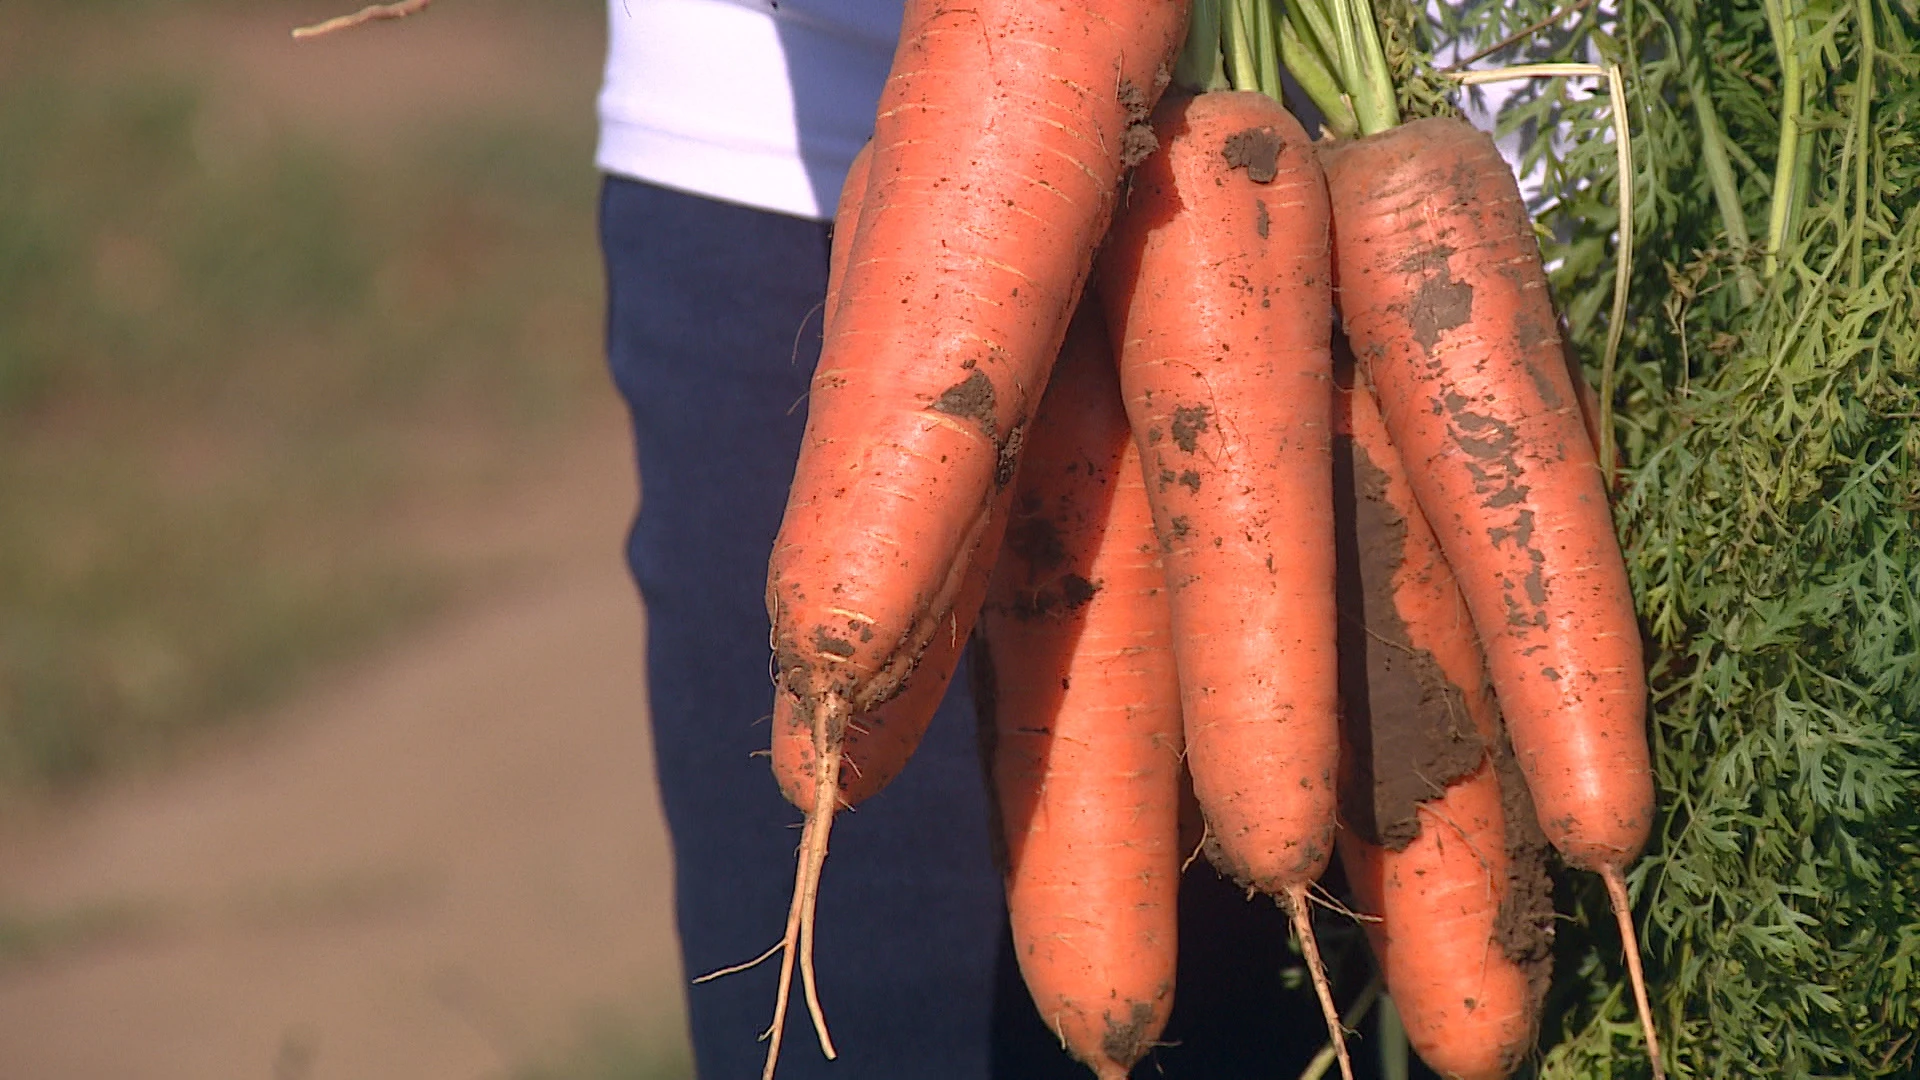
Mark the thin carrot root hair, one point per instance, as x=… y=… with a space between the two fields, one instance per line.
x=1356 y=1012
x=796 y=944
x=1623 y=914
x=400 y=9
x=1297 y=910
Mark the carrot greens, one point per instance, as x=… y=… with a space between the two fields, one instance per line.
x=1769 y=418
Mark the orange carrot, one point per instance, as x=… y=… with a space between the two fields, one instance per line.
x=1216 y=285
x=879 y=741
x=1457 y=891
x=1001 y=135
x=1081 y=708
x=1442 y=294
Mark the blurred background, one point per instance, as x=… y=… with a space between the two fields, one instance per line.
x=322 y=738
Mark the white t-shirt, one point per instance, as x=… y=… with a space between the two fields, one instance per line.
x=756 y=102
x=765 y=102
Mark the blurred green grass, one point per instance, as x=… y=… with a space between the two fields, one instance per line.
x=233 y=355
x=615 y=1046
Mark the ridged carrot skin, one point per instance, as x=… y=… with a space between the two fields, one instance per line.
x=1001 y=135
x=1437 y=902
x=880 y=741
x=998 y=146
x=1080 y=705
x=846 y=222
x=1215 y=282
x=1442 y=294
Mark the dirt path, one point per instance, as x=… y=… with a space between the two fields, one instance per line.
x=434 y=867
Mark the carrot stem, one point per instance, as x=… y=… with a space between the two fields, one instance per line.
x=1199 y=68
x=1623 y=914
x=1266 y=41
x=1309 y=68
x=1345 y=34
x=1379 y=109
x=1311 y=20
x=1243 y=70
x=1863 y=110
x=1393 y=1041
x=1726 y=186
x=1785 y=27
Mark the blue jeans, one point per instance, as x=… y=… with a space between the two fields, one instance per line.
x=713 y=331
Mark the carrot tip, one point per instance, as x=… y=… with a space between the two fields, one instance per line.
x=1296 y=902
x=1623 y=914
x=829 y=724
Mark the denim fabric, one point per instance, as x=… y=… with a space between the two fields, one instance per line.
x=713 y=331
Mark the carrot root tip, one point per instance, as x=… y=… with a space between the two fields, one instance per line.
x=796 y=945
x=1296 y=903
x=1630 y=941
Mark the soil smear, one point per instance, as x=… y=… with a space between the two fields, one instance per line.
x=972 y=398
x=1524 y=926
x=1405 y=727
x=1033 y=545
x=1138 y=141
x=1128 y=1040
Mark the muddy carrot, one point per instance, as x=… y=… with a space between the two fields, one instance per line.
x=879 y=741
x=1216 y=285
x=1443 y=297
x=1001 y=135
x=1451 y=883
x=1081 y=708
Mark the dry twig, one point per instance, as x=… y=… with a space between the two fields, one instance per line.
x=400 y=9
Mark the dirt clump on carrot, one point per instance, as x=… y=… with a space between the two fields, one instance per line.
x=1130 y=1039
x=1256 y=150
x=1525 y=922
x=1035 y=539
x=1404 y=722
x=1139 y=142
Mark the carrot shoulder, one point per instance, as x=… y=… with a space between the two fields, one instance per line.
x=1080 y=706
x=1216 y=282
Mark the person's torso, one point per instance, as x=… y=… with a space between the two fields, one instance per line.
x=756 y=102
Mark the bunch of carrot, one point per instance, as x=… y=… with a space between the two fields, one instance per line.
x=1078 y=394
